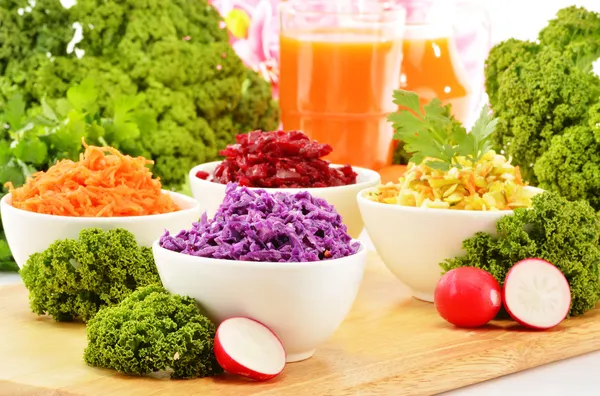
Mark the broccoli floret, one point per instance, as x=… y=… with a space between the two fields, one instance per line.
x=575 y=31
x=150 y=331
x=564 y=233
x=538 y=98
x=571 y=165
x=73 y=279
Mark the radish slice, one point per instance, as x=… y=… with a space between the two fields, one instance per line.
x=536 y=294
x=246 y=347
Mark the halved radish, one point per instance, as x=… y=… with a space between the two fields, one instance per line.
x=536 y=294
x=246 y=347
x=468 y=297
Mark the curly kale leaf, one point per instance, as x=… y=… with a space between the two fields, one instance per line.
x=575 y=31
x=52 y=80
x=73 y=279
x=150 y=331
x=255 y=111
x=539 y=90
x=564 y=233
x=503 y=56
x=571 y=165
x=127 y=29
x=194 y=83
x=538 y=98
x=43 y=28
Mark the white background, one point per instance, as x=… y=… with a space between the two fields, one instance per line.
x=575 y=377
x=523 y=19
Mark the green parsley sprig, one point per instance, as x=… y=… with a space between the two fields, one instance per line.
x=432 y=133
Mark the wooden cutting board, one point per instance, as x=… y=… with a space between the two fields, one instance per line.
x=390 y=344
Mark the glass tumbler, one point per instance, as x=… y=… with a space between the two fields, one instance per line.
x=339 y=65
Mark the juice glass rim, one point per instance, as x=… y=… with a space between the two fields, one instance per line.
x=302 y=7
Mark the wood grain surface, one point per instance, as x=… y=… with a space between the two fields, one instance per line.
x=390 y=344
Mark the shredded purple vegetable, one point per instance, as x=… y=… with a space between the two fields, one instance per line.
x=253 y=225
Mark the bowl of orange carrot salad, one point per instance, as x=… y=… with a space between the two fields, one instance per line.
x=103 y=189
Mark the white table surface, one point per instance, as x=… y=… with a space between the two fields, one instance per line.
x=574 y=377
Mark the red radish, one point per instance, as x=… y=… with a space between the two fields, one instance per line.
x=468 y=297
x=246 y=347
x=536 y=294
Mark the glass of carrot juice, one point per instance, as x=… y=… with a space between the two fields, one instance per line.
x=431 y=66
x=339 y=65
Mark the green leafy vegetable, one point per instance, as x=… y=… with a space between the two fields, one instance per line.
x=571 y=165
x=575 y=30
x=73 y=279
x=15 y=112
x=36 y=141
x=164 y=72
x=433 y=134
x=7 y=263
x=541 y=90
x=400 y=155
x=564 y=233
x=150 y=331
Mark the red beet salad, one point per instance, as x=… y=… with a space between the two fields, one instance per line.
x=278 y=160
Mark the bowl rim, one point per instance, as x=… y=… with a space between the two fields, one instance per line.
x=360 y=253
x=362 y=201
x=370 y=175
x=193 y=205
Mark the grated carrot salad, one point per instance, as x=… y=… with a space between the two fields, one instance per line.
x=103 y=183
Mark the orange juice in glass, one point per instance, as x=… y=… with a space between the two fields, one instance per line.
x=430 y=65
x=339 y=65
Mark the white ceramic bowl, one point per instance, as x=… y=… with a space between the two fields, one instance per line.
x=412 y=242
x=303 y=303
x=343 y=198
x=29 y=232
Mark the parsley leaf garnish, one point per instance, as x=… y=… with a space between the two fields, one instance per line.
x=432 y=133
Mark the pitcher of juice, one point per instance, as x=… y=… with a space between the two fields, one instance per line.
x=339 y=65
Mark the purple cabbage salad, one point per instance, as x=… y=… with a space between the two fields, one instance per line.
x=254 y=225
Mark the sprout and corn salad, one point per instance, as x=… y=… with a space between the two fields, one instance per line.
x=490 y=184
